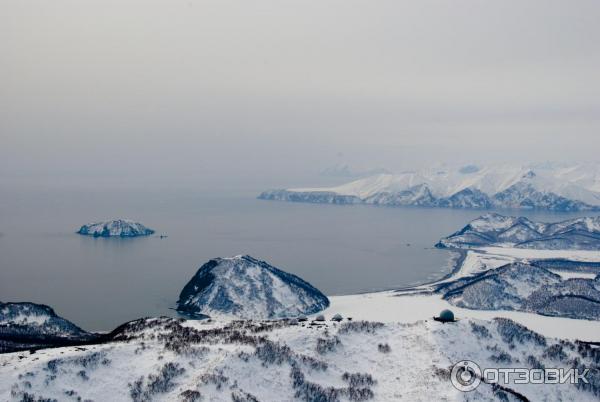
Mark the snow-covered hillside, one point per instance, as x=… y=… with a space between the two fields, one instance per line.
x=245 y=287
x=162 y=359
x=514 y=263
x=116 y=228
x=498 y=230
x=526 y=287
x=551 y=187
x=30 y=325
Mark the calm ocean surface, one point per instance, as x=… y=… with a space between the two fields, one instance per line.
x=100 y=283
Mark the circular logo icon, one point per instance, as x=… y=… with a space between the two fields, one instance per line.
x=465 y=375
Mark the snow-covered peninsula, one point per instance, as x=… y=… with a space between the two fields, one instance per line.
x=549 y=187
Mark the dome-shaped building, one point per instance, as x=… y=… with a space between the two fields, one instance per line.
x=445 y=316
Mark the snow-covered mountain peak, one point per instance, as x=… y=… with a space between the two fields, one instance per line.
x=492 y=221
x=245 y=287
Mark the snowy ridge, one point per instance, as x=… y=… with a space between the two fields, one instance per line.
x=508 y=231
x=30 y=325
x=245 y=287
x=162 y=359
x=115 y=228
x=551 y=187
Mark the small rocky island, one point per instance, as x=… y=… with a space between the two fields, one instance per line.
x=245 y=287
x=115 y=228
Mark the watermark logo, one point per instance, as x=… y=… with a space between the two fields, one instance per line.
x=467 y=375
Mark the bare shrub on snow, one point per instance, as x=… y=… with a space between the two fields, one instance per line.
x=161 y=382
x=384 y=348
x=555 y=352
x=510 y=332
x=442 y=373
x=312 y=363
x=218 y=379
x=273 y=352
x=358 y=387
x=360 y=326
x=358 y=379
x=190 y=395
x=501 y=357
x=325 y=345
x=480 y=330
x=241 y=396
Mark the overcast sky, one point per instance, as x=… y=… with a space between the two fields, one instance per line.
x=274 y=91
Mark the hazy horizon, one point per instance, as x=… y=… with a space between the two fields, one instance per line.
x=223 y=94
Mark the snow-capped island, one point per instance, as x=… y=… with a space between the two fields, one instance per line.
x=115 y=228
x=548 y=187
x=245 y=287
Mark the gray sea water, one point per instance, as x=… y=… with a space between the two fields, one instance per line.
x=100 y=283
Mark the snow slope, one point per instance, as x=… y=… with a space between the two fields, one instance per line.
x=245 y=287
x=162 y=359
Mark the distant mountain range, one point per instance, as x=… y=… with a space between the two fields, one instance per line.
x=549 y=186
x=245 y=287
x=498 y=230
